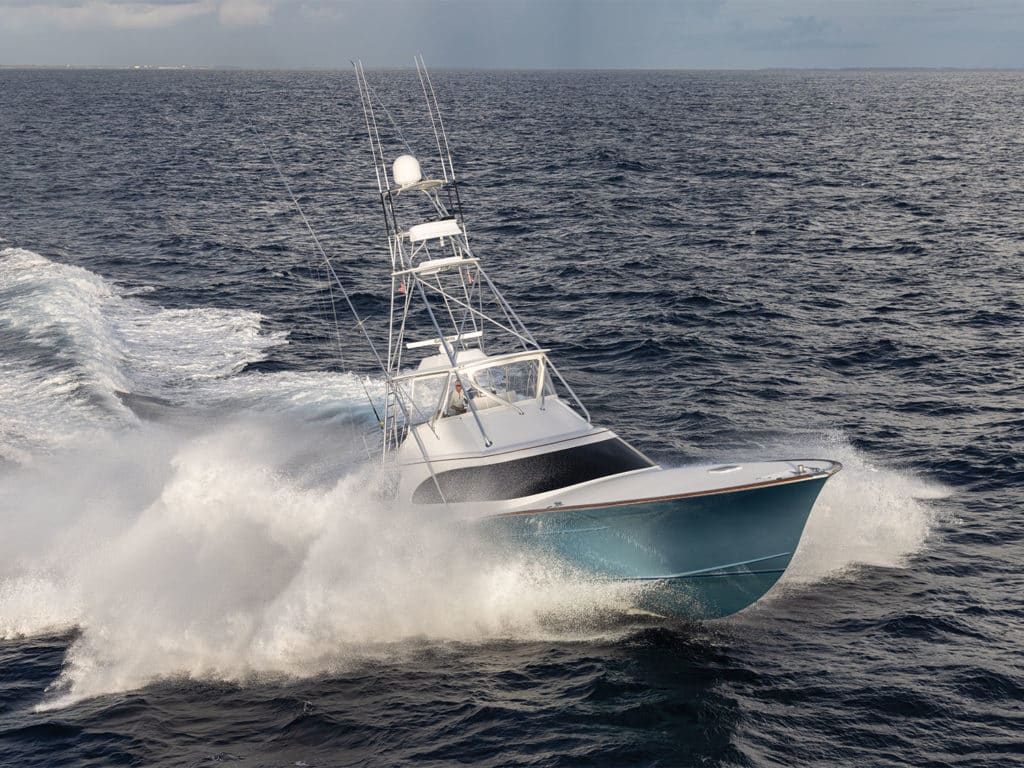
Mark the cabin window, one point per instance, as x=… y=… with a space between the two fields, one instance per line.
x=425 y=395
x=533 y=474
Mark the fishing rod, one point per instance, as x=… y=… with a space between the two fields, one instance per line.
x=329 y=266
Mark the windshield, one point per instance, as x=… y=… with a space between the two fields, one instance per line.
x=514 y=381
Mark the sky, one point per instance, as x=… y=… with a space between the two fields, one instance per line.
x=657 y=34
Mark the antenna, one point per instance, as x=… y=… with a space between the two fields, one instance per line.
x=440 y=121
x=380 y=165
x=421 y=71
x=432 y=108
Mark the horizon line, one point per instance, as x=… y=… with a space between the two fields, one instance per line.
x=466 y=68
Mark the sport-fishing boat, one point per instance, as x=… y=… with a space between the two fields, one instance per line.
x=482 y=426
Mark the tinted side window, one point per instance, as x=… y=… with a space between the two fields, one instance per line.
x=534 y=474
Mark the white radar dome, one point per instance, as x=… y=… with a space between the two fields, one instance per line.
x=406 y=170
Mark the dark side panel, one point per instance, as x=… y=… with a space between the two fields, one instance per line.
x=534 y=474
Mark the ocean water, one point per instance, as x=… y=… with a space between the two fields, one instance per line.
x=195 y=570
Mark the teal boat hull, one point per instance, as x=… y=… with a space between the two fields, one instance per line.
x=698 y=556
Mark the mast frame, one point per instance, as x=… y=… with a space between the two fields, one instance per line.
x=436 y=279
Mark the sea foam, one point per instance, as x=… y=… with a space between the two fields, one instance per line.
x=73 y=344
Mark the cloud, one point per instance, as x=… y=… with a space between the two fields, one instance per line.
x=244 y=13
x=730 y=34
x=110 y=13
x=322 y=12
x=130 y=14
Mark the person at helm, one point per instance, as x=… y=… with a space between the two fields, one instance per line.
x=457 y=403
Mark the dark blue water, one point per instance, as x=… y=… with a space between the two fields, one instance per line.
x=194 y=572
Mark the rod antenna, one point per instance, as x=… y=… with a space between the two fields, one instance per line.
x=421 y=70
x=440 y=120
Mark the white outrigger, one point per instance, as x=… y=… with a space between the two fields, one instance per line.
x=485 y=427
